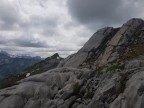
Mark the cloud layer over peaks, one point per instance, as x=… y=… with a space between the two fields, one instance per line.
x=44 y=27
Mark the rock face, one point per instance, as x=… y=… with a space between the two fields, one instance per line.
x=93 y=43
x=55 y=88
x=112 y=45
x=107 y=72
x=121 y=42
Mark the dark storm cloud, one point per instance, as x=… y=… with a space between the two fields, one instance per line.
x=103 y=12
x=29 y=43
x=23 y=41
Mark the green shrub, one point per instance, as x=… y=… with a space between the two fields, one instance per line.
x=111 y=68
x=76 y=88
x=100 y=72
x=7 y=84
x=90 y=95
x=114 y=67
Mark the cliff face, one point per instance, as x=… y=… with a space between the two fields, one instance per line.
x=107 y=72
x=93 y=43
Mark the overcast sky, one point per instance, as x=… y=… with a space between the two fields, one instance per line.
x=43 y=27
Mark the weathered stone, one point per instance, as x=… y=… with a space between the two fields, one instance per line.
x=13 y=101
x=55 y=84
x=76 y=60
x=93 y=43
x=32 y=104
x=68 y=102
x=96 y=39
x=1 y=98
x=121 y=37
x=133 y=93
x=136 y=63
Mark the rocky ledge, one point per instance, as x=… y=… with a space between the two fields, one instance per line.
x=107 y=72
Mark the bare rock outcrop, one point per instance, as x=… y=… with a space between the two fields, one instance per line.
x=93 y=43
x=55 y=88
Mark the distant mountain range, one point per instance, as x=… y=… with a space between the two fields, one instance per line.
x=37 y=68
x=11 y=65
x=44 y=65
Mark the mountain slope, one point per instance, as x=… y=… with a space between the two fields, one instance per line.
x=40 y=67
x=10 y=65
x=107 y=74
x=44 y=65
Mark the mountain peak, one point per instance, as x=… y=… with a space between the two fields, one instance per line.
x=133 y=21
x=109 y=45
x=55 y=55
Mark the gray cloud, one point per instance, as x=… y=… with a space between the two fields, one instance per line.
x=43 y=27
x=27 y=27
x=2 y=42
x=41 y=24
x=29 y=43
x=23 y=41
x=41 y=21
x=9 y=16
x=103 y=12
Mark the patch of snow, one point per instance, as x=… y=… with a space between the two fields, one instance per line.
x=28 y=74
x=58 y=57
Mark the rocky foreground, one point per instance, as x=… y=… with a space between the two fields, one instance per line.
x=107 y=72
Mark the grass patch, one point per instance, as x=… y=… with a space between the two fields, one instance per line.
x=114 y=67
x=111 y=68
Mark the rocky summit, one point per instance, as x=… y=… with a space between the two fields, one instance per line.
x=107 y=72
